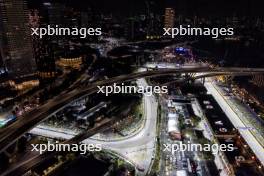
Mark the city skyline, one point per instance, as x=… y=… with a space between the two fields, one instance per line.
x=131 y=88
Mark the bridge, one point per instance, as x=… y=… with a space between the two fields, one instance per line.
x=203 y=76
x=36 y=158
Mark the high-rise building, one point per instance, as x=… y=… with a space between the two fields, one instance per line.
x=87 y=17
x=55 y=13
x=169 y=18
x=2 y=67
x=15 y=38
x=42 y=48
x=133 y=29
x=1 y=57
x=153 y=21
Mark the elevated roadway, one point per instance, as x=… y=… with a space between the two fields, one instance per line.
x=25 y=123
x=134 y=148
x=36 y=158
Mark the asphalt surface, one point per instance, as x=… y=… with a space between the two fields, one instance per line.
x=36 y=159
x=26 y=122
x=246 y=133
x=138 y=149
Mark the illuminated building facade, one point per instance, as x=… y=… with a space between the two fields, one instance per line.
x=43 y=51
x=71 y=63
x=169 y=18
x=24 y=85
x=15 y=38
x=258 y=80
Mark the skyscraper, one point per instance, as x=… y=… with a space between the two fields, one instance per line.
x=43 y=52
x=169 y=18
x=15 y=38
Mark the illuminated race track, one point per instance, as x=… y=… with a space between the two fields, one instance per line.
x=36 y=159
x=131 y=148
x=251 y=136
x=14 y=131
x=124 y=148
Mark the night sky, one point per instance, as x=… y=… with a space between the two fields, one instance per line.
x=185 y=7
x=219 y=7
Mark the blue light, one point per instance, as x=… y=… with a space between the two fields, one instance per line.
x=181 y=50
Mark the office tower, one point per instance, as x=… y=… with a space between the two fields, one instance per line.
x=15 y=38
x=3 y=70
x=153 y=21
x=1 y=57
x=87 y=18
x=45 y=58
x=43 y=51
x=169 y=17
x=55 y=12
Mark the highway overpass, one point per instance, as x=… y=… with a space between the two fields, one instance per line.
x=29 y=120
x=36 y=159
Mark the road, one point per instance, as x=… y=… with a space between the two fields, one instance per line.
x=35 y=158
x=14 y=131
x=253 y=141
x=138 y=149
